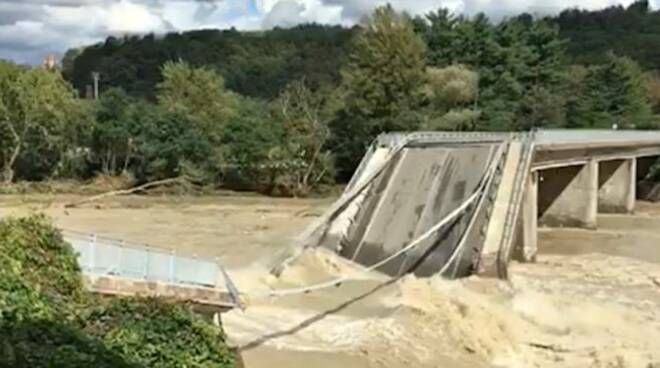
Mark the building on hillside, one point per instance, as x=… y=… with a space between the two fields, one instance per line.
x=50 y=62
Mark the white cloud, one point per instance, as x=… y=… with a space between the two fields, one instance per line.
x=291 y=12
x=31 y=28
x=130 y=17
x=184 y=15
x=498 y=9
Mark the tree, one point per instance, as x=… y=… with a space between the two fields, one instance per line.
x=170 y=144
x=452 y=92
x=248 y=142
x=114 y=132
x=385 y=71
x=304 y=116
x=440 y=34
x=652 y=86
x=382 y=82
x=519 y=63
x=36 y=105
x=541 y=107
x=541 y=54
x=199 y=92
x=613 y=94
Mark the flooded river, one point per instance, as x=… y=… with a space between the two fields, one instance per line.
x=592 y=300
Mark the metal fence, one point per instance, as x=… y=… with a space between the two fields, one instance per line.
x=111 y=257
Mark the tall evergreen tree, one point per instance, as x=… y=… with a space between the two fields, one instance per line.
x=613 y=95
x=518 y=61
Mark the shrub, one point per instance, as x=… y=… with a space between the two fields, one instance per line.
x=154 y=333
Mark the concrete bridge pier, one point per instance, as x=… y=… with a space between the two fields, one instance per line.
x=568 y=196
x=528 y=247
x=617 y=186
x=557 y=197
x=572 y=196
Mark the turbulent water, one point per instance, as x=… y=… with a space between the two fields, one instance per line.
x=586 y=303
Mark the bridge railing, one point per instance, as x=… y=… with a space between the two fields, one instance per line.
x=594 y=135
x=540 y=136
x=112 y=257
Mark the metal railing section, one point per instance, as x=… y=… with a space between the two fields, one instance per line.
x=111 y=257
x=594 y=135
x=394 y=139
x=541 y=136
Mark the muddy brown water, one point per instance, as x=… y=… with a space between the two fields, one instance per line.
x=592 y=300
x=631 y=236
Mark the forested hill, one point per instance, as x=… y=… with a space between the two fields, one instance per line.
x=255 y=64
x=632 y=31
x=261 y=64
x=289 y=111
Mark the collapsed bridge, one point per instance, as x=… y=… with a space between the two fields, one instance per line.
x=462 y=203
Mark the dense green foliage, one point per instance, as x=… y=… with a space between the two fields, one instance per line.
x=288 y=111
x=150 y=333
x=38 y=121
x=255 y=64
x=382 y=83
x=48 y=320
x=633 y=31
x=612 y=94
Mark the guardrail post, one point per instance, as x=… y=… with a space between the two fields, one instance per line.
x=92 y=247
x=146 y=263
x=121 y=257
x=195 y=279
x=217 y=266
x=172 y=264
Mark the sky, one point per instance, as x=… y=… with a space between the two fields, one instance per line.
x=31 y=29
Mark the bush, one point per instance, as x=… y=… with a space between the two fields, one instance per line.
x=34 y=256
x=48 y=320
x=153 y=333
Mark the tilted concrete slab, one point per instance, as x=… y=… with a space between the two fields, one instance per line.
x=425 y=186
x=424 y=183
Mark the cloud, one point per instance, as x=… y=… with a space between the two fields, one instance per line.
x=30 y=29
x=502 y=8
x=286 y=13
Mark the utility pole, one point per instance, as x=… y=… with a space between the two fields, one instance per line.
x=476 y=101
x=96 y=76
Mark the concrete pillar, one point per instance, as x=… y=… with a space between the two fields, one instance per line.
x=568 y=196
x=644 y=165
x=617 y=186
x=529 y=215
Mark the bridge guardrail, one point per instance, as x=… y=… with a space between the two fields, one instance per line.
x=594 y=135
x=112 y=257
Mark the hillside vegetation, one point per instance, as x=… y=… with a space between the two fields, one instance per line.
x=291 y=111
